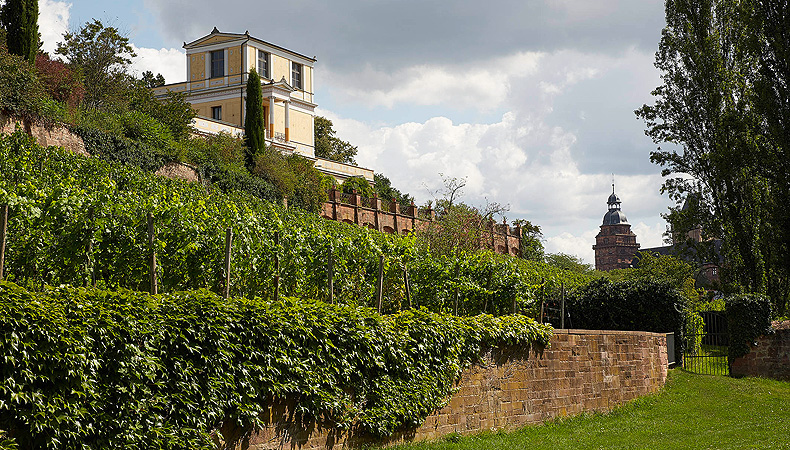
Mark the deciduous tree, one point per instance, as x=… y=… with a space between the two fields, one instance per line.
x=101 y=54
x=329 y=146
x=723 y=111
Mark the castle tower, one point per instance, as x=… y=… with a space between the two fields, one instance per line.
x=615 y=245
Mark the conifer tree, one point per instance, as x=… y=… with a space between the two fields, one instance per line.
x=20 y=20
x=254 y=131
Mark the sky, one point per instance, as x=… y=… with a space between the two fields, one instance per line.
x=531 y=101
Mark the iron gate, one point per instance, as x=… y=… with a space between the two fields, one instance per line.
x=706 y=353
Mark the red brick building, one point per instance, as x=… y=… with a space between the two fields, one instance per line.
x=615 y=245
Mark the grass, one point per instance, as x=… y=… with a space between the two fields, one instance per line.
x=692 y=412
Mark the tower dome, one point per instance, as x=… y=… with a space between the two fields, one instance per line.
x=615 y=215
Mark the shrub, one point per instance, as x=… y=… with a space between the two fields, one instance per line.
x=359 y=184
x=637 y=305
x=104 y=369
x=143 y=128
x=748 y=317
x=21 y=93
x=60 y=82
x=110 y=147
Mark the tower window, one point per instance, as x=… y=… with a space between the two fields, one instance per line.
x=216 y=112
x=218 y=64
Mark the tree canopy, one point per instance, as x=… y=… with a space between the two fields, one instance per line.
x=102 y=55
x=329 y=146
x=724 y=110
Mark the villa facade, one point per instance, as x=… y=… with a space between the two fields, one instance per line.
x=218 y=66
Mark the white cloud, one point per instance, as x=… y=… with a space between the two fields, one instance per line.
x=577 y=245
x=53 y=22
x=171 y=63
x=483 y=86
x=532 y=157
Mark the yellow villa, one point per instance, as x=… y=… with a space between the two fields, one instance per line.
x=217 y=68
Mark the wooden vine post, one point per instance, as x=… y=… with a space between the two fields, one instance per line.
x=380 y=284
x=276 y=266
x=3 y=230
x=406 y=284
x=330 y=274
x=228 y=246
x=152 y=252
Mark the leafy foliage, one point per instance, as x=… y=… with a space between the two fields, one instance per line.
x=724 y=102
x=98 y=369
x=294 y=177
x=60 y=82
x=638 y=305
x=20 y=20
x=329 y=146
x=101 y=54
x=21 y=92
x=748 y=317
x=75 y=219
x=110 y=147
x=254 y=131
x=358 y=184
x=385 y=190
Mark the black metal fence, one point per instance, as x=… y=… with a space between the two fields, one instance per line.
x=706 y=353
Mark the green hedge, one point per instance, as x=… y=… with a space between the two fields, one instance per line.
x=100 y=369
x=748 y=317
x=637 y=305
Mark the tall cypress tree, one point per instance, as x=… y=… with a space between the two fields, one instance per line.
x=20 y=19
x=254 y=131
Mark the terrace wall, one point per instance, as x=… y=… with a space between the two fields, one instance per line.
x=581 y=371
x=770 y=358
x=386 y=216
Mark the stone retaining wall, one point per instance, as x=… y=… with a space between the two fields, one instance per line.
x=56 y=135
x=581 y=371
x=770 y=358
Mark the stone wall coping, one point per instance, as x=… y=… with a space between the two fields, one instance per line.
x=608 y=332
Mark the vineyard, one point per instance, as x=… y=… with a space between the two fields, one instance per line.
x=81 y=221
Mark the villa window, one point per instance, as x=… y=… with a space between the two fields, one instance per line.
x=263 y=64
x=216 y=112
x=296 y=75
x=218 y=64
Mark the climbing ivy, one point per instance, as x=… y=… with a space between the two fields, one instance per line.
x=90 y=368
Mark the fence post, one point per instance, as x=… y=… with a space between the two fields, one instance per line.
x=3 y=230
x=152 y=251
x=562 y=305
x=406 y=284
x=380 y=284
x=276 y=266
x=228 y=245
x=331 y=274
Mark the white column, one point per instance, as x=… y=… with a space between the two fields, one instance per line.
x=271 y=117
x=287 y=121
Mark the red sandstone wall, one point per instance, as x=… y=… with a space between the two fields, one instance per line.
x=770 y=358
x=581 y=371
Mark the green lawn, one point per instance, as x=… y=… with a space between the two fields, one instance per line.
x=692 y=412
